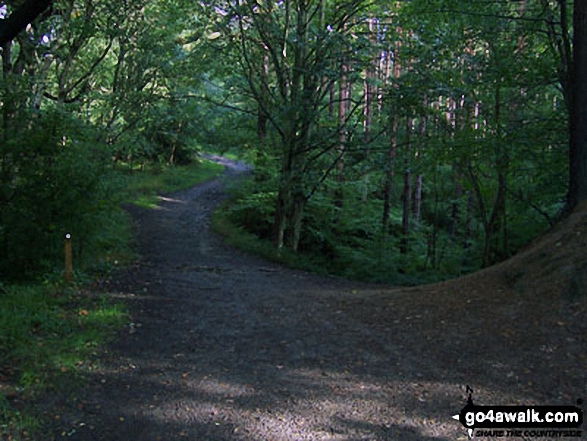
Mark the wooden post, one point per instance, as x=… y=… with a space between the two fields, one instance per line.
x=68 y=259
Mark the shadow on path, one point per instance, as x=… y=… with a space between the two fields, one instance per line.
x=225 y=346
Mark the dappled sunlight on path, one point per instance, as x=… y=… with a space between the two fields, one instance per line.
x=225 y=346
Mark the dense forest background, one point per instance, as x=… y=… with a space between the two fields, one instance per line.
x=392 y=141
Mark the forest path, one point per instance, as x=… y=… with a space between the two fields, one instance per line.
x=225 y=346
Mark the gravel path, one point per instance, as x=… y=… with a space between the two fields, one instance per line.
x=225 y=346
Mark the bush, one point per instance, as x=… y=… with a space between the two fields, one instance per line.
x=54 y=181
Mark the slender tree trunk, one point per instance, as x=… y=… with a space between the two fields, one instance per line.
x=389 y=172
x=384 y=74
x=280 y=220
x=469 y=221
x=578 y=117
x=262 y=119
x=433 y=239
x=368 y=92
x=262 y=126
x=367 y=109
x=297 y=217
x=8 y=103
x=291 y=199
x=392 y=151
x=494 y=224
x=175 y=143
x=455 y=207
x=407 y=202
x=418 y=198
x=423 y=132
x=407 y=194
x=284 y=195
x=332 y=99
x=342 y=116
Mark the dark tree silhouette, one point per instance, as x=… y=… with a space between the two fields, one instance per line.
x=578 y=143
x=18 y=20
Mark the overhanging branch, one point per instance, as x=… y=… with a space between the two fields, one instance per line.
x=17 y=21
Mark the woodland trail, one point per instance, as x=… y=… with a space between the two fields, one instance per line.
x=225 y=346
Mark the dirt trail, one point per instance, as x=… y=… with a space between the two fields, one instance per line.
x=225 y=346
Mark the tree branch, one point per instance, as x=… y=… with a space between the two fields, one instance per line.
x=18 y=20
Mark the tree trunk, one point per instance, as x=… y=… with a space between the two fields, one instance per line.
x=433 y=237
x=291 y=199
x=493 y=222
x=367 y=109
x=392 y=151
x=407 y=194
x=175 y=143
x=578 y=117
x=296 y=216
x=407 y=200
x=368 y=91
x=284 y=199
x=343 y=96
x=8 y=102
x=332 y=99
x=279 y=220
x=262 y=119
x=384 y=73
x=389 y=173
x=261 y=125
x=291 y=202
x=493 y=226
x=418 y=198
x=469 y=221
x=455 y=208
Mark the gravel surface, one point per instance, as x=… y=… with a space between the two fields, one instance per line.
x=225 y=346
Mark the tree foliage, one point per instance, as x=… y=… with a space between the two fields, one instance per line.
x=395 y=137
x=451 y=116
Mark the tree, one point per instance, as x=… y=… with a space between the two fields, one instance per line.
x=286 y=52
x=57 y=83
x=578 y=117
x=454 y=107
x=18 y=20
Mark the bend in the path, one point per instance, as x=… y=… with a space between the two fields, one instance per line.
x=226 y=346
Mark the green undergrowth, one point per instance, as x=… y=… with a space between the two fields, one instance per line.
x=50 y=334
x=236 y=236
x=347 y=244
x=113 y=246
x=49 y=339
x=144 y=187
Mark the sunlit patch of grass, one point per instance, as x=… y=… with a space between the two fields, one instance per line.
x=147 y=201
x=47 y=340
x=112 y=244
x=143 y=188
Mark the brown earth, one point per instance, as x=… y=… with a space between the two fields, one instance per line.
x=225 y=346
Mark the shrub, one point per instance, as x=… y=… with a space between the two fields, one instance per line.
x=54 y=182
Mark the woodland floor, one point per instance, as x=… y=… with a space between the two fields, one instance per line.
x=225 y=346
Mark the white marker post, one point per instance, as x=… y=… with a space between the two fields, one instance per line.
x=68 y=259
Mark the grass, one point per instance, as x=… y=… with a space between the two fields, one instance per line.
x=143 y=188
x=238 y=237
x=113 y=245
x=374 y=259
x=50 y=334
x=47 y=341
